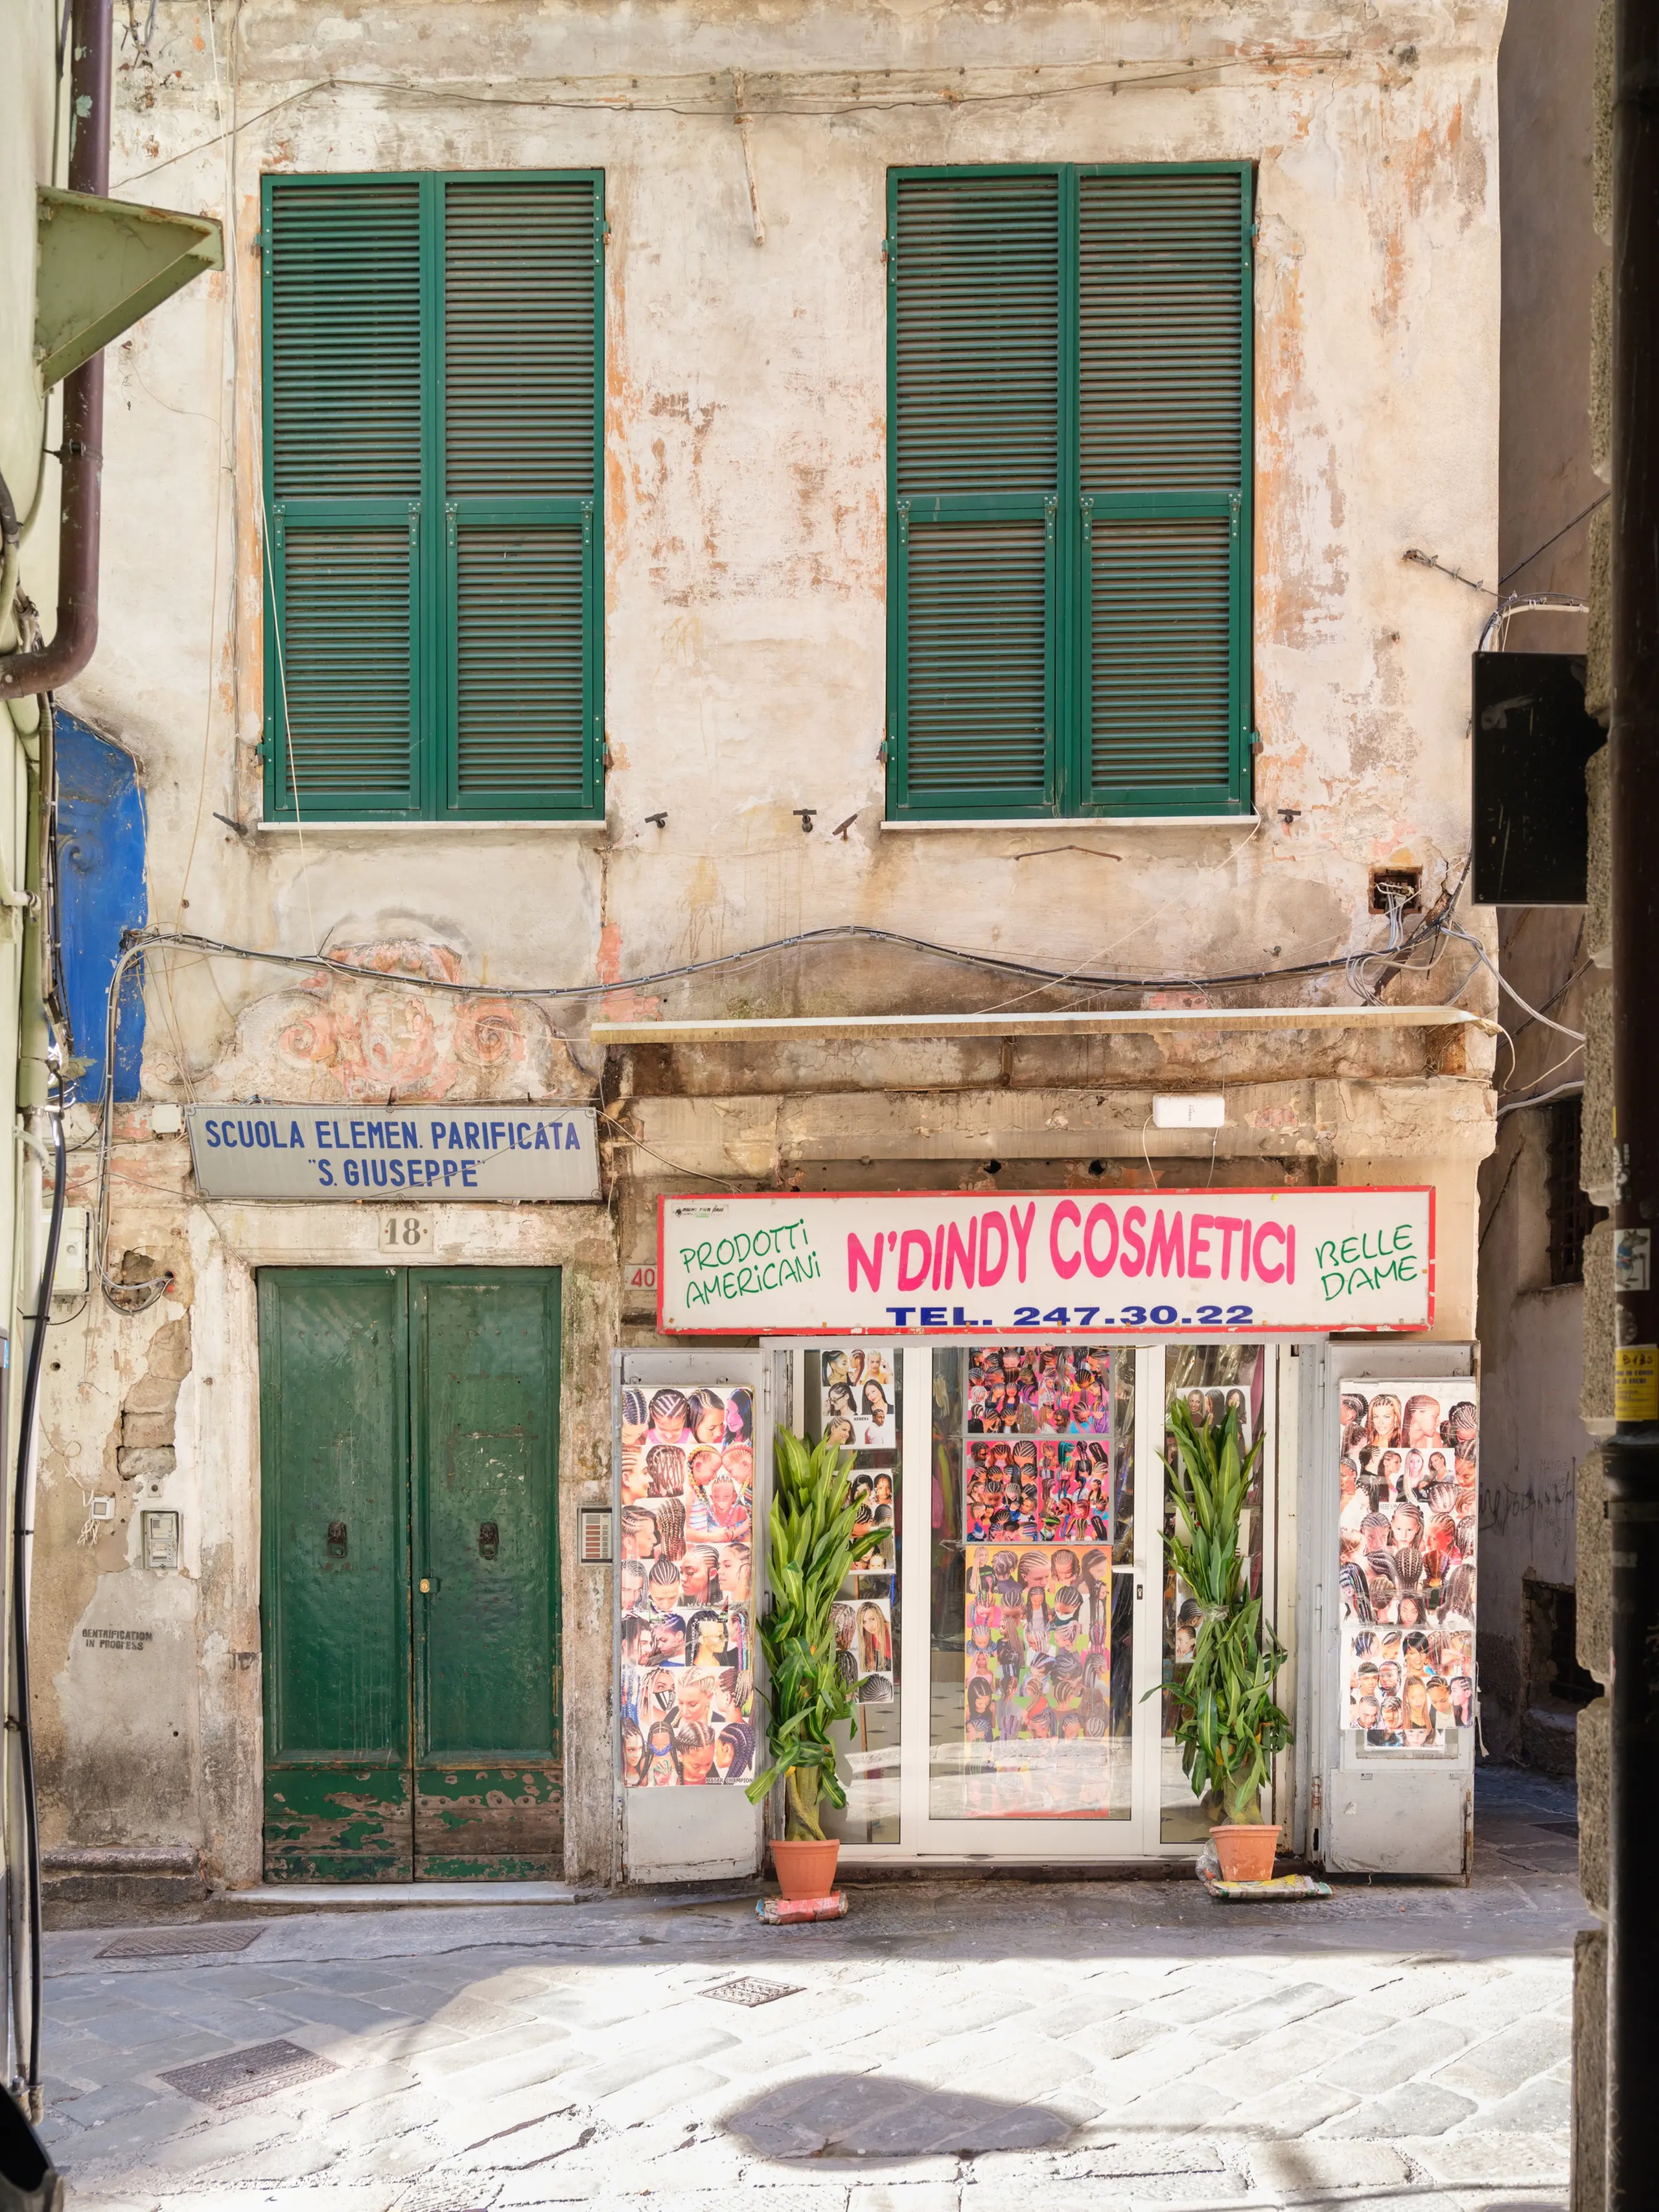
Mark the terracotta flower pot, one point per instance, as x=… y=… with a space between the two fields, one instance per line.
x=1246 y=1851
x=806 y=1869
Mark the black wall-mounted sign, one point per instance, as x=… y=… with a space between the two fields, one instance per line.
x=1531 y=811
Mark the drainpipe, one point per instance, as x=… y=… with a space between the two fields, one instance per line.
x=23 y=674
x=1632 y=1456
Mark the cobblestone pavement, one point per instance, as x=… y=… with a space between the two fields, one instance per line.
x=981 y=2046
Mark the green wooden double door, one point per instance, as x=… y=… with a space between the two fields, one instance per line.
x=410 y=1573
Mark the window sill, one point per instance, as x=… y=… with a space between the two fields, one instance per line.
x=332 y=826
x=1031 y=824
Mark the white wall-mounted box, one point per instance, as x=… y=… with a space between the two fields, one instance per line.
x=1184 y=1109
x=71 y=1275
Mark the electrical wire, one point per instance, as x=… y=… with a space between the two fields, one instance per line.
x=1183 y=897
x=1432 y=931
x=22 y=1537
x=119 y=1295
x=724 y=1183
x=1541 y=1097
x=945 y=97
x=219 y=438
x=1396 y=897
x=1491 y=1211
x=828 y=934
x=61 y=43
x=1454 y=930
x=1561 y=533
x=1440 y=923
x=1520 y=603
x=277 y=617
x=1555 y=997
x=1572 y=1052
x=1531 y=1097
x=133 y=1298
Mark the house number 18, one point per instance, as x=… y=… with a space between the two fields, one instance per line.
x=405 y=1233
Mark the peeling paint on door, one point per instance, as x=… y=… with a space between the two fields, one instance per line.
x=413 y=1708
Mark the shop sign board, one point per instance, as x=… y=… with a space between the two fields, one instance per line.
x=300 y=1153
x=1175 y=1263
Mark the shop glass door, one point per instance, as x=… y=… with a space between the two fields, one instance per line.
x=1031 y=1585
x=854 y=1394
x=1212 y=1381
x=1010 y=1640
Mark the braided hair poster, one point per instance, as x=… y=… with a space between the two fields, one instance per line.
x=684 y=1582
x=1408 y=1491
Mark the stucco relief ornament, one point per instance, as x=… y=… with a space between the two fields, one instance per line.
x=346 y=1037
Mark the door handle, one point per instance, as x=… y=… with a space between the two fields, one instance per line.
x=489 y=1540
x=428 y=1585
x=336 y=1540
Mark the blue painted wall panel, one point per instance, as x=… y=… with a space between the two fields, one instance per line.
x=100 y=858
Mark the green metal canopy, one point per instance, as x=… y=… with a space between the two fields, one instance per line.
x=104 y=263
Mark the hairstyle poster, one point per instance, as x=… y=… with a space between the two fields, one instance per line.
x=685 y=1582
x=1408 y=1482
x=1031 y=1390
x=1038 y=1445
x=1037 y=1690
x=861 y=1409
x=873 y=1494
x=852 y=1402
x=863 y=1647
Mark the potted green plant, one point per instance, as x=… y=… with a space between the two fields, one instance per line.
x=811 y=1551
x=1227 y=1724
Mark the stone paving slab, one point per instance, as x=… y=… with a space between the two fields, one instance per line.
x=982 y=2046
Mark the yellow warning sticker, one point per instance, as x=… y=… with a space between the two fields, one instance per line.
x=1636 y=1382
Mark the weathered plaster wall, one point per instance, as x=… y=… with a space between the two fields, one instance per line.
x=1537 y=1434
x=27 y=107
x=745 y=473
x=30 y=155
x=1533 y=1442
x=150 y=1723
x=1031 y=1135
x=1553 y=265
x=746 y=562
x=1532 y=1335
x=1590 y=2008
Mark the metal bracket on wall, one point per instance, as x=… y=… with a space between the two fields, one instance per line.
x=104 y=263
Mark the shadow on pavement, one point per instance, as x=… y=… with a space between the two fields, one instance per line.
x=864 y=2115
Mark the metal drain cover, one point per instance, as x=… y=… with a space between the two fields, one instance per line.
x=178 y=1942
x=241 y=2076
x=749 y=1989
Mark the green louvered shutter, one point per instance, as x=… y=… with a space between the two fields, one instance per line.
x=1163 y=384
x=343 y=496
x=976 y=312
x=520 y=354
